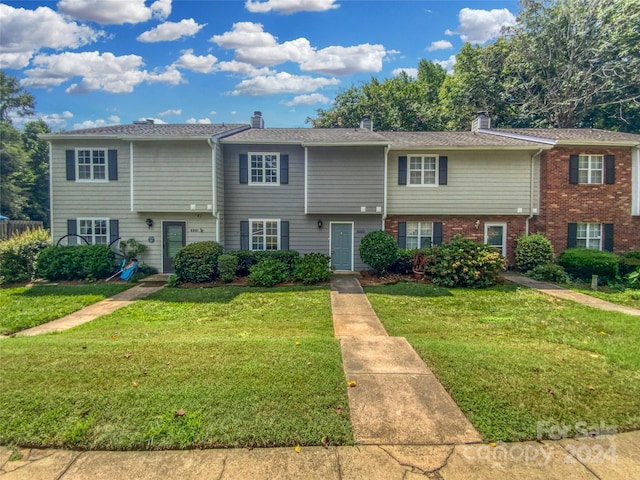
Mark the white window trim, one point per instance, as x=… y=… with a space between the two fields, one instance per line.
x=93 y=235
x=588 y=237
x=106 y=166
x=264 y=184
x=590 y=170
x=504 y=235
x=420 y=233
x=437 y=170
x=264 y=220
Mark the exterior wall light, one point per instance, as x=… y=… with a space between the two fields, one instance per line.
x=319 y=223
x=149 y=223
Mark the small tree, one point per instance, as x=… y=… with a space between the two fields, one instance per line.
x=533 y=250
x=379 y=250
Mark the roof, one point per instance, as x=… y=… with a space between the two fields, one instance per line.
x=576 y=136
x=411 y=140
x=310 y=136
x=151 y=131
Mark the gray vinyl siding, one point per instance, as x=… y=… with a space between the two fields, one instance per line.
x=478 y=183
x=172 y=176
x=342 y=180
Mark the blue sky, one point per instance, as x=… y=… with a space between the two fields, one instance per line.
x=102 y=62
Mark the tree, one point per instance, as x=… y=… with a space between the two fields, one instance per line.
x=38 y=163
x=13 y=98
x=15 y=178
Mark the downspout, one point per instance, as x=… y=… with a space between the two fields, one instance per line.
x=386 y=170
x=131 y=174
x=51 y=190
x=214 y=186
x=306 y=179
x=531 y=170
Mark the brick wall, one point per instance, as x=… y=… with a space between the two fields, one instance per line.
x=562 y=203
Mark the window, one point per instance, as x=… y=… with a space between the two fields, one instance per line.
x=94 y=230
x=264 y=168
x=589 y=235
x=423 y=170
x=92 y=165
x=419 y=234
x=590 y=169
x=265 y=234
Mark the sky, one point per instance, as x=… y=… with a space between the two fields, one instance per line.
x=92 y=63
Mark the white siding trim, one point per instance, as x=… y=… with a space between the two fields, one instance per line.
x=131 y=173
x=51 y=190
x=635 y=181
x=306 y=180
x=385 y=184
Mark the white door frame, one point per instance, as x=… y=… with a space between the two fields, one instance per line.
x=352 y=240
x=504 y=234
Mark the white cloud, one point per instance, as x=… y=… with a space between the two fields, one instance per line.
x=479 y=26
x=440 y=45
x=307 y=99
x=282 y=82
x=115 y=12
x=244 y=69
x=213 y=113
x=200 y=121
x=288 y=7
x=447 y=64
x=202 y=64
x=24 y=32
x=98 y=71
x=112 y=120
x=157 y=121
x=171 y=112
x=412 y=72
x=169 y=31
x=346 y=60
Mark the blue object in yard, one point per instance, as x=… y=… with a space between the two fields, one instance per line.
x=129 y=270
x=2 y=217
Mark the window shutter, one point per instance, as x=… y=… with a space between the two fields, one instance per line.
x=573 y=168
x=610 y=169
x=442 y=170
x=114 y=230
x=72 y=229
x=284 y=235
x=607 y=241
x=244 y=168
x=284 y=169
x=244 y=235
x=402 y=170
x=402 y=234
x=71 y=164
x=113 y=164
x=572 y=234
x=437 y=233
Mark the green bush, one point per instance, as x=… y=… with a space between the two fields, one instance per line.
x=143 y=271
x=465 y=263
x=379 y=250
x=249 y=258
x=197 y=262
x=18 y=255
x=633 y=279
x=549 y=272
x=172 y=281
x=227 y=267
x=582 y=263
x=404 y=263
x=533 y=250
x=268 y=272
x=81 y=262
x=629 y=262
x=313 y=268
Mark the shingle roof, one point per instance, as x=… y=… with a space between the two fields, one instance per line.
x=400 y=140
x=150 y=130
x=568 y=135
x=308 y=136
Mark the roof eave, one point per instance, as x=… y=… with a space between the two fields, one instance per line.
x=517 y=136
x=470 y=147
x=599 y=143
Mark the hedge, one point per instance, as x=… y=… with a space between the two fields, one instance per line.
x=81 y=262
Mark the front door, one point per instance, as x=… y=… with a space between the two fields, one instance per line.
x=174 y=237
x=495 y=234
x=342 y=246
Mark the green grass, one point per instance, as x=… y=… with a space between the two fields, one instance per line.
x=26 y=307
x=512 y=357
x=629 y=297
x=246 y=366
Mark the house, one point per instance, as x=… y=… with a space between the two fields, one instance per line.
x=322 y=190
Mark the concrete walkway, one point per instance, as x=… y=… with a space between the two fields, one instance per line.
x=566 y=294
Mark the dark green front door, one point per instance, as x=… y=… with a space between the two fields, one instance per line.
x=342 y=246
x=174 y=237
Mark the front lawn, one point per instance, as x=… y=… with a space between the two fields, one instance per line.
x=26 y=307
x=184 y=368
x=519 y=363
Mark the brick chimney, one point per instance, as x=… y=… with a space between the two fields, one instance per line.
x=482 y=121
x=257 y=121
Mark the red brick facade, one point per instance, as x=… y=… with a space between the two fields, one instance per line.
x=562 y=203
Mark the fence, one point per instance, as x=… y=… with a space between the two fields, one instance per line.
x=10 y=227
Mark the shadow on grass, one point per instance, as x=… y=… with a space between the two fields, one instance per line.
x=409 y=289
x=74 y=290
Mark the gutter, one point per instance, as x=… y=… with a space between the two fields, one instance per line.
x=531 y=170
x=214 y=186
x=385 y=187
x=51 y=190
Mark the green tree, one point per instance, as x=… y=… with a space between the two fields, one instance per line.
x=15 y=177
x=13 y=98
x=38 y=164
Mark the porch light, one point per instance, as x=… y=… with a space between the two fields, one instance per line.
x=149 y=222
x=319 y=223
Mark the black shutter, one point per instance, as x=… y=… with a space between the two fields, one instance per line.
x=572 y=235
x=114 y=230
x=609 y=169
x=72 y=229
x=284 y=235
x=402 y=170
x=284 y=169
x=607 y=241
x=402 y=234
x=71 y=164
x=244 y=235
x=442 y=170
x=437 y=233
x=113 y=164
x=244 y=169
x=573 y=168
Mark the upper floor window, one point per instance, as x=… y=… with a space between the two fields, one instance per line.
x=423 y=170
x=264 y=168
x=419 y=234
x=589 y=235
x=590 y=169
x=94 y=230
x=92 y=165
x=265 y=234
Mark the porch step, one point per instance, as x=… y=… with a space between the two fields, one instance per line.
x=156 y=280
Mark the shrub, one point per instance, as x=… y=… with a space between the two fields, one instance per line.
x=313 y=268
x=582 y=263
x=249 y=258
x=143 y=271
x=633 y=279
x=404 y=263
x=227 y=267
x=81 y=262
x=379 y=250
x=549 y=272
x=533 y=250
x=18 y=255
x=172 y=281
x=197 y=262
x=629 y=262
x=465 y=263
x=422 y=260
x=131 y=249
x=268 y=272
